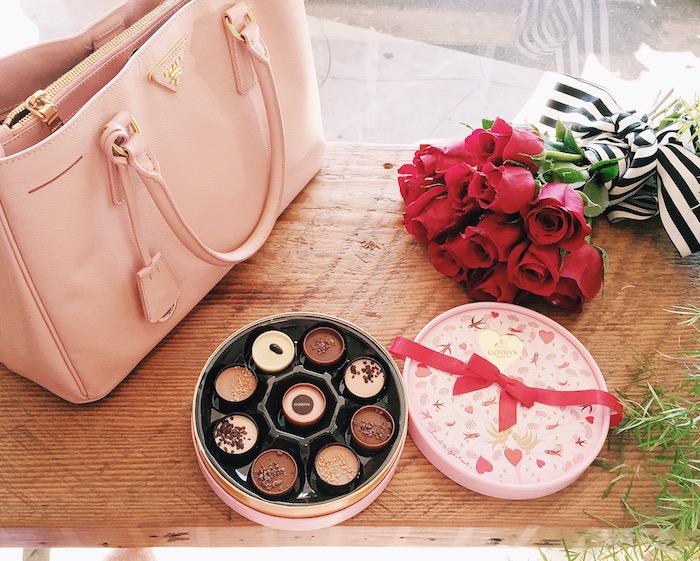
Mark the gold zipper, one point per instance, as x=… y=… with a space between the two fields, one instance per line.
x=39 y=104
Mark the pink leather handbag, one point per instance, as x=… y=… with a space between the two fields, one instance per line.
x=139 y=161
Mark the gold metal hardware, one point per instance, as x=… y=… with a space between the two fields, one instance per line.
x=170 y=75
x=22 y=115
x=39 y=105
x=174 y=73
x=118 y=150
x=249 y=18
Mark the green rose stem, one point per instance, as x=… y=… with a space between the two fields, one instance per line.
x=557 y=156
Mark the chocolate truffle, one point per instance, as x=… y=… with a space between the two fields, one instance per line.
x=273 y=351
x=371 y=427
x=274 y=473
x=324 y=346
x=235 y=384
x=337 y=465
x=303 y=404
x=236 y=434
x=364 y=377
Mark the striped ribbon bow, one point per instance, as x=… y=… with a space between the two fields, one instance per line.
x=658 y=170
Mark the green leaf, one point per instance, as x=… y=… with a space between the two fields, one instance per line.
x=606 y=170
x=570 y=143
x=595 y=199
x=486 y=124
x=560 y=131
x=570 y=174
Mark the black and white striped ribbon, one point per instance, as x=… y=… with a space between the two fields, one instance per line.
x=658 y=173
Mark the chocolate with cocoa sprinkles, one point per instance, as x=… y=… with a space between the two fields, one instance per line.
x=324 y=346
x=371 y=427
x=364 y=377
x=236 y=434
x=274 y=473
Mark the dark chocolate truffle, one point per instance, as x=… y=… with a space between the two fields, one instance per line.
x=372 y=427
x=324 y=346
x=274 y=473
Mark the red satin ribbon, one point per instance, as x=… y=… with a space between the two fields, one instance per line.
x=479 y=373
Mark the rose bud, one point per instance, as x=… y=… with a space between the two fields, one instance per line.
x=556 y=217
x=490 y=240
x=433 y=160
x=430 y=215
x=491 y=284
x=484 y=146
x=458 y=179
x=412 y=185
x=444 y=261
x=534 y=268
x=581 y=278
x=511 y=188
x=521 y=144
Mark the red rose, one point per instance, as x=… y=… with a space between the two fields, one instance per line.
x=433 y=160
x=484 y=146
x=444 y=262
x=520 y=146
x=429 y=215
x=556 y=217
x=412 y=185
x=491 y=240
x=458 y=178
x=508 y=188
x=580 y=280
x=535 y=268
x=491 y=284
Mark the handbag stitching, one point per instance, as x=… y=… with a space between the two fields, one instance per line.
x=98 y=38
x=43 y=312
x=35 y=189
x=237 y=70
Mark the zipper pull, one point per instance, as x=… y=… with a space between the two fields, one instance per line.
x=40 y=106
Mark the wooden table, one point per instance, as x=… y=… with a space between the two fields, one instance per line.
x=122 y=472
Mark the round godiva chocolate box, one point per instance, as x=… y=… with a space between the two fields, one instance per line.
x=272 y=416
x=548 y=447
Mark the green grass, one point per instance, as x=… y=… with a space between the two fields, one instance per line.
x=663 y=422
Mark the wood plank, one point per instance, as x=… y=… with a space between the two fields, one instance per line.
x=123 y=471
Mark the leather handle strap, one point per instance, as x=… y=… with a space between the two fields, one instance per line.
x=134 y=153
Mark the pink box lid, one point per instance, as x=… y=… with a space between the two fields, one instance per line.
x=549 y=447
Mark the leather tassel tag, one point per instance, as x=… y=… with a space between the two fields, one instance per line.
x=158 y=289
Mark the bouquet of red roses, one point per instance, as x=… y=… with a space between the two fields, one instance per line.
x=504 y=211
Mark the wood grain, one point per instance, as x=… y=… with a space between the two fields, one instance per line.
x=122 y=472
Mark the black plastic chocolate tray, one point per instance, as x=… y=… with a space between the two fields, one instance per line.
x=303 y=443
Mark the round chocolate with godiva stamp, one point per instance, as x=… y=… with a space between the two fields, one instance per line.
x=301 y=405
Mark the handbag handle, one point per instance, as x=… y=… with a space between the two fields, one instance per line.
x=125 y=145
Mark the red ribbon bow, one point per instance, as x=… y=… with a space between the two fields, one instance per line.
x=478 y=373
